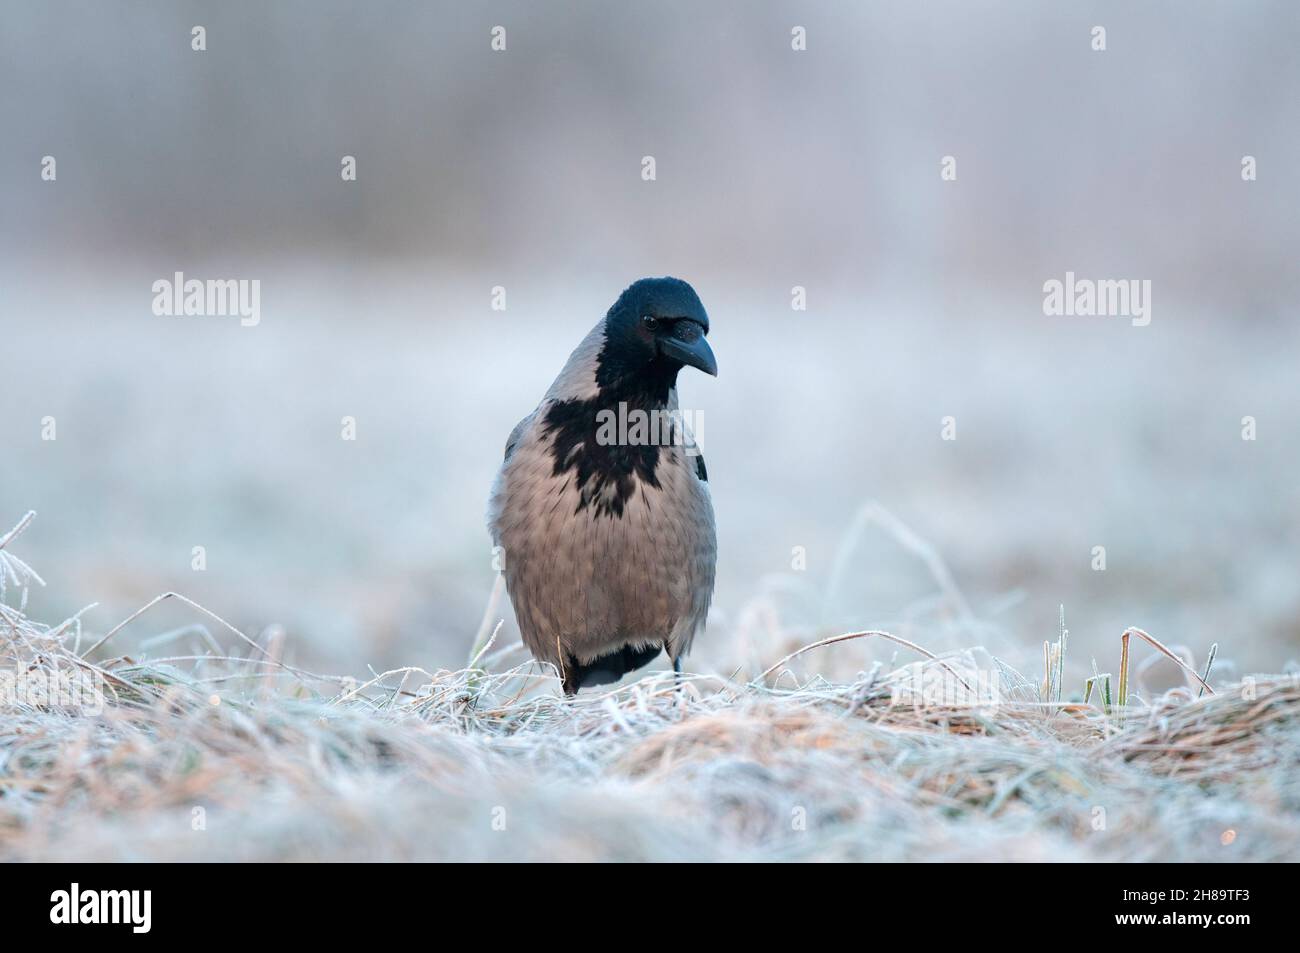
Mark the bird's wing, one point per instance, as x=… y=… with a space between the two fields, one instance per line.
x=515 y=435
x=700 y=470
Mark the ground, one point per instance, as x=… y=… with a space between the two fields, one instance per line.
x=231 y=754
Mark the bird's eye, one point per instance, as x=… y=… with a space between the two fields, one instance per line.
x=648 y=322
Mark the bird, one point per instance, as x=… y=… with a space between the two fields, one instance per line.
x=604 y=532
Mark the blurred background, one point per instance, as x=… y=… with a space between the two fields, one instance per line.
x=775 y=169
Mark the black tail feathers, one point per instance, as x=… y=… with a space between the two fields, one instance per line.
x=607 y=668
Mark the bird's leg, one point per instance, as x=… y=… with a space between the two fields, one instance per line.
x=568 y=677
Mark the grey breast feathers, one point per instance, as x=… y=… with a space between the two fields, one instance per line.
x=595 y=560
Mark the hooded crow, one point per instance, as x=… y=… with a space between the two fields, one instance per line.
x=601 y=508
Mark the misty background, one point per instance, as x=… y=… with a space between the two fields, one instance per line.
x=775 y=169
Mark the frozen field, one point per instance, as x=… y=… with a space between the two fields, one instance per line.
x=1071 y=433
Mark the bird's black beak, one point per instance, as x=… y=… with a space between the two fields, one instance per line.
x=686 y=343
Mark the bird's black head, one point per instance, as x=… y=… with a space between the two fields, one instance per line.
x=655 y=328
